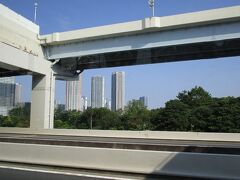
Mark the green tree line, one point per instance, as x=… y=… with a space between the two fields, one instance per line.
x=194 y=110
x=18 y=117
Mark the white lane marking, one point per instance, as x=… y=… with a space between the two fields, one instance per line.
x=62 y=173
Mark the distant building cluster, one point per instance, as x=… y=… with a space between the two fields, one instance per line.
x=142 y=102
x=10 y=95
x=75 y=100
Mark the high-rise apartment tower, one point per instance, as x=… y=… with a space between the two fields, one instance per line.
x=97 y=92
x=118 y=91
x=74 y=94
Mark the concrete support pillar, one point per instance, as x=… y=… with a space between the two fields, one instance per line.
x=42 y=107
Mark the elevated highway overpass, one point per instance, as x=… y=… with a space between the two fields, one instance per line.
x=198 y=35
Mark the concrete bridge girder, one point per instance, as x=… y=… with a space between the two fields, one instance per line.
x=193 y=35
x=153 y=40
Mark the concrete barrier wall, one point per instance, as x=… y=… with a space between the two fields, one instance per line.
x=228 y=137
x=135 y=161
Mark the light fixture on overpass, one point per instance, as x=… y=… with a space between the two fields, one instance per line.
x=35 y=12
x=151 y=5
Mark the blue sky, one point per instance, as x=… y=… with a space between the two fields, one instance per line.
x=160 y=82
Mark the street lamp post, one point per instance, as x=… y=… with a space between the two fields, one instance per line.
x=35 y=12
x=151 y=5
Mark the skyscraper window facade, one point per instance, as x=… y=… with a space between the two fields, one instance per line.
x=97 y=92
x=118 y=91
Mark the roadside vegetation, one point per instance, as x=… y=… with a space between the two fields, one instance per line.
x=194 y=110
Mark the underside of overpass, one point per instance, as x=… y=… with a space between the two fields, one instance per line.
x=12 y=72
x=195 y=51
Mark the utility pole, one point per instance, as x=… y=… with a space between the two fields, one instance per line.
x=151 y=5
x=35 y=12
x=91 y=123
